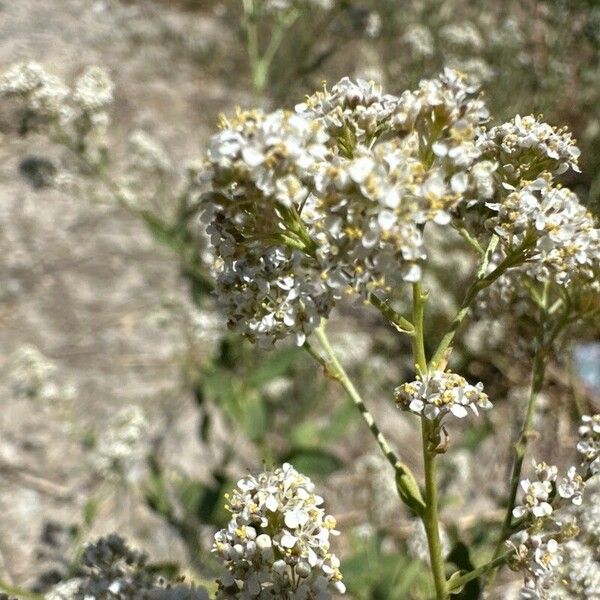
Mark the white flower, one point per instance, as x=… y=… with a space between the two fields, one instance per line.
x=589 y=441
x=277 y=542
x=124 y=443
x=537 y=556
x=536 y=494
x=571 y=487
x=526 y=146
x=93 y=90
x=44 y=95
x=420 y=40
x=111 y=569
x=437 y=394
x=564 y=241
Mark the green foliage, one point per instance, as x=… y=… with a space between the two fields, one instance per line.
x=373 y=573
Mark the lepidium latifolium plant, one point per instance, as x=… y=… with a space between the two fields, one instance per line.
x=328 y=204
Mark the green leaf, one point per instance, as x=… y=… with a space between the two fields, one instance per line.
x=161 y=231
x=275 y=365
x=409 y=491
x=455 y=576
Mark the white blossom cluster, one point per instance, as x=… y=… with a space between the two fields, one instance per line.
x=111 y=569
x=124 y=443
x=566 y=241
x=77 y=115
x=336 y=195
x=539 y=547
x=33 y=375
x=537 y=493
x=589 y=442
x=537 y=556
x=258 y=166
x=579 y=573
x=44 y=95
x=578 y=576
x=304 y=207
x=526 y=146
x=276 y=544
x=436 y=394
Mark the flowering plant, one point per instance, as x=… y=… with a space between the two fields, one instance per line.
x=308 y=209
x=330 y=202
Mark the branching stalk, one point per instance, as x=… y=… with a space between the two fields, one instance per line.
x=334 y=369
x=540 y=361
x=458 y=582
x=481 y=282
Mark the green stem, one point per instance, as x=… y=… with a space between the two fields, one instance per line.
x=481 y=282
x=458 y=582
x=252 y=48
x=264 y=65
x=430 y=515
x=334 y=368
x=520 y=448
x=401 y=324
x=418 y=340
x=545 y=341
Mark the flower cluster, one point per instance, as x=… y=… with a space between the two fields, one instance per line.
x=537 y=493
x=124 y=443
x=77 y=116
x=538 y=547
x=526 y=146
x=589 y=442
x=579 y=573
x=305 y=207
x=336 y=196
x=111 y=569
x=44 y=95
x=436 y=394
x=277 y=542
x=537 y=556
x=565 y=243
x=258 y=166
x=33 y=375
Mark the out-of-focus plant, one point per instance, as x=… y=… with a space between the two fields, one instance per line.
x=219 y=367
x=266 y=24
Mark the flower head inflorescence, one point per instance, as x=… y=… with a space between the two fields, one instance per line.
x=537 y=556
x=277 y=542
x=339 y=194
x=589 y=442
x=111 y=569
x=526 y=146
x=77 y=116
x=258 y=167
x=565 y=242
x=436 y=394
x=549 y=509
x=44 y=95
